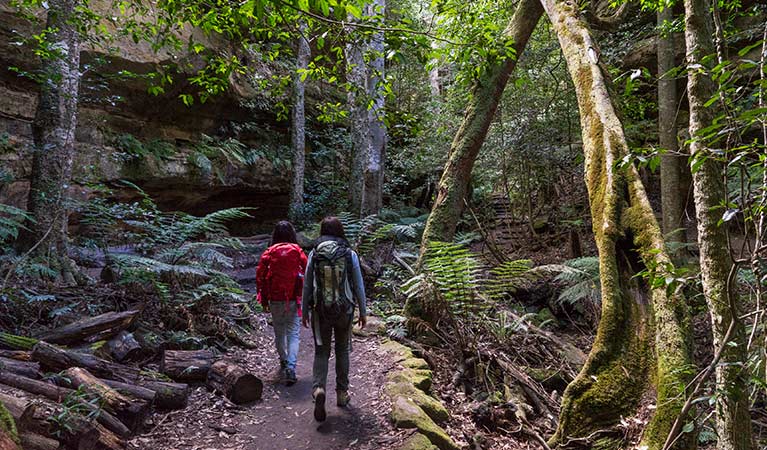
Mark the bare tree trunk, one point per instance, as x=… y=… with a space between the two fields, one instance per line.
x=434 y=84
x=642 y=334
x=672 y=200
x=732 y=401
x=54 y=138
x=467 y=142
x=375 y=162
x=359 y=121
x=298 y=132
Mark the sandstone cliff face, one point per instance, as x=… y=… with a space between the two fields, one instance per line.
x=114 y=111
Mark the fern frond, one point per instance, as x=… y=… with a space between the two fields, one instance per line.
x=12 y=221
x=153 y=265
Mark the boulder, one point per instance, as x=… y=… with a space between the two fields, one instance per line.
x=417 y=377
x=431 y=406
x=406 y=414
x=417 y=442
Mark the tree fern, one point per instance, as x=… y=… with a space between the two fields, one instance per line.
x=456 y=274
x=508 y=277
x=580 y=278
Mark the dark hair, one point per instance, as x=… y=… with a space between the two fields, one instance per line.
x=331 y=226
x=284 y=232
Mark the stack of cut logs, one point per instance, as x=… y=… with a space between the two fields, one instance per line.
x=92 y=399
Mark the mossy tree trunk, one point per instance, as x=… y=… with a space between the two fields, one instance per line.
x=298 y=131
x=732 y=402
x=672 y=198
x=54 y=139
x=642 y=334
x=453 y=185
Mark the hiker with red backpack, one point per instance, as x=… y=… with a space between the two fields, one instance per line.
x=332 y=289
x=279 y=283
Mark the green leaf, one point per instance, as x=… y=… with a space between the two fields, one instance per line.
x=354 y=11
x=187 y=99
x=324 y=7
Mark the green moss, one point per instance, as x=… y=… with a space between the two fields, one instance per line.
x=417 y=442
x=415 y=363
x=397 y=350
x=406 y=414
x=417 y=377
x=431 y=406
x=8 y=424
x=15 y=342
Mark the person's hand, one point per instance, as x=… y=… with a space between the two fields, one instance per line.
x=265 y=305
x=362 y=322
x=305 y=320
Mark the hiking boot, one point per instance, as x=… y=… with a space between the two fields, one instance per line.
x=319 y=404
x=290 y=377
x=280 y=374
x=342 y=398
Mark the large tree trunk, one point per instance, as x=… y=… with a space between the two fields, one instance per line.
x=298 y=131
x=672 y=199
x=376 y=157
x=453 y=186
x=642 y=332
x=732 y=401
x=54 y=138
x=359 y=121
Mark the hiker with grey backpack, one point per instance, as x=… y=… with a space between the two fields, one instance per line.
x=333 y=287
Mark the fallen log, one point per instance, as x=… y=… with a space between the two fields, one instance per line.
x=167 y=395
x=14 y=405
x=38 y=432
x=74 y=430
x=161 y=394
x=29 y=441
x=6 y=442
x=111 y=323
x=32 y=441
x=37 y=387
x=186 y=365
x=55 y=359
x=18 y=355
x=130 y=412
x=60 y=394
x=14 y=342
x=123 y=347
x=132 y=390
x=234 y=382
x=23 y=368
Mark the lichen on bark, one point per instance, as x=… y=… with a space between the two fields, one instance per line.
x=733 y=424
x=642 y=337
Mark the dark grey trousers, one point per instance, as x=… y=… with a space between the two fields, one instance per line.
x=324 y=331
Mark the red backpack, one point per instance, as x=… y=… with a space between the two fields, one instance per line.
x=280 y=273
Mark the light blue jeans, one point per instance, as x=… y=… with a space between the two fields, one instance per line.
x=287 y=327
